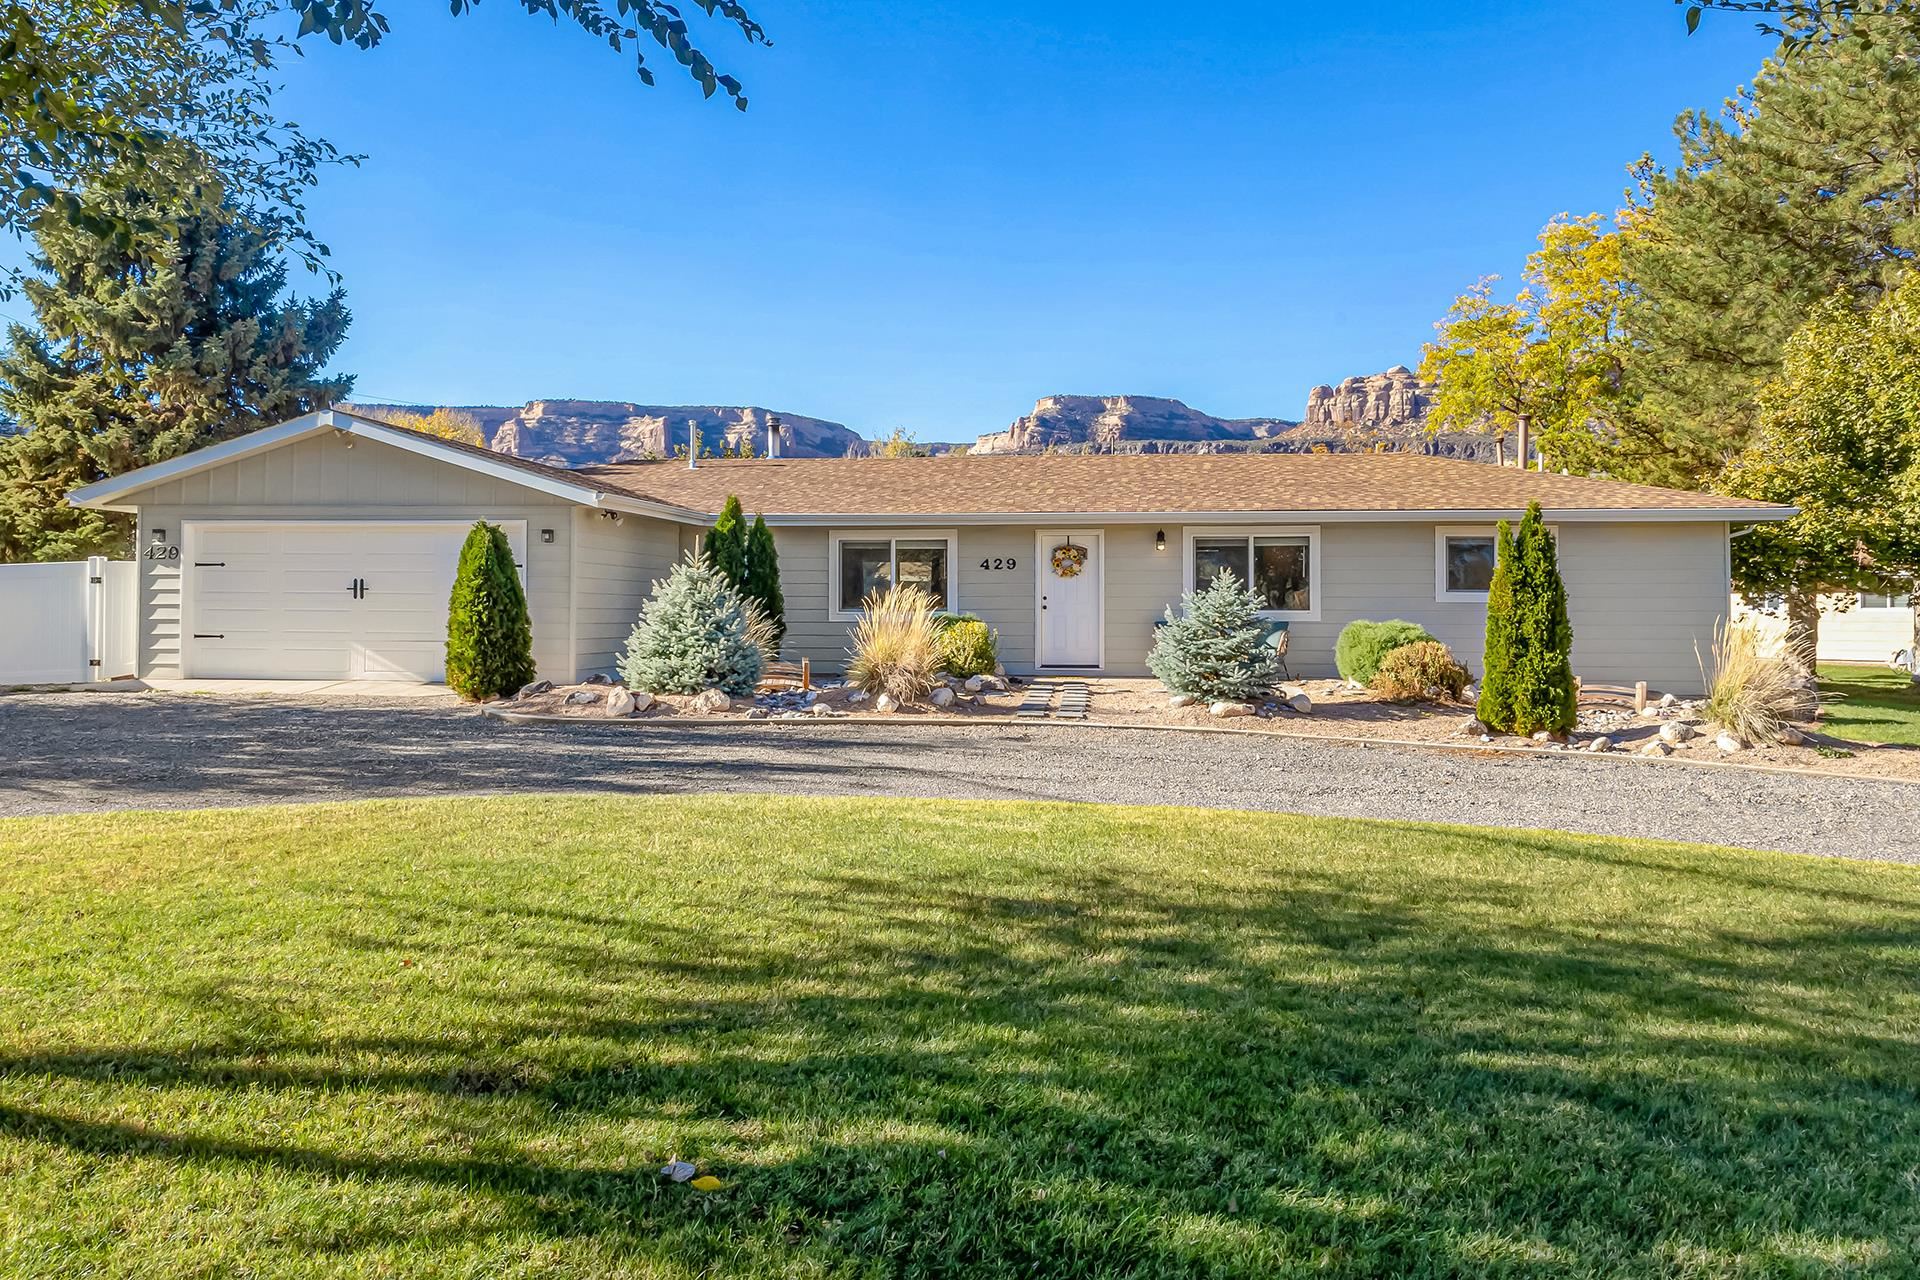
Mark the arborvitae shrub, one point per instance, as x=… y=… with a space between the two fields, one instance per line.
x=1495 y=706
x=726 y=544
x=763 y=578
x=693 y=634
x=489 y=637
x=1542 y=672
x=1216 y=647
x=1362 y=644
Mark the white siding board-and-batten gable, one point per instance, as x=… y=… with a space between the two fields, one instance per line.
x=322 y=478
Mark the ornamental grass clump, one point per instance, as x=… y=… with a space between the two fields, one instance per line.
x=1363 y=645
x=968 y=646
x=694 y=633
x=896 y=646
x=1756 y=692
x=1215 y=649
x=1425 y=669
x=489 y=636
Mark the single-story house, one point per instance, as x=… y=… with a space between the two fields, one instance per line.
x=1855 y=626
x=325 y=548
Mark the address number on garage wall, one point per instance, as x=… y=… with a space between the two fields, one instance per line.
x=998 y=562
x=168 y=553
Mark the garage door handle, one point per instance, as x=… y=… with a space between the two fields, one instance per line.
x=208 y=635
x=359 y=589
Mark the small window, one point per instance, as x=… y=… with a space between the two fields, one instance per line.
x=1885 y=600
x=1463 y=563
x=866 y=563
x=1278 y=565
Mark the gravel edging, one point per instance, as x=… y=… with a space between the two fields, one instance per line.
x=81 y=753
x=827 y=723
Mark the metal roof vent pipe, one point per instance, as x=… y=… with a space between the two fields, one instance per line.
x=774 y=430
x=693 y=446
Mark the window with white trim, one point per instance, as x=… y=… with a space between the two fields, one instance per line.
x=1280 y=565
x=865 y=561
x=1885 y=600
x=1463 y=559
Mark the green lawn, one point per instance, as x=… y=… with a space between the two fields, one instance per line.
x=1870 y=704
x=917 y=1039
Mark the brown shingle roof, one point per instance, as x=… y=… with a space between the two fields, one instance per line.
x=1086 y=484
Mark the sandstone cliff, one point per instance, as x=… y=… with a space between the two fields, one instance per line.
x=1393 y=401
x=1123 y=424
x=577 y=433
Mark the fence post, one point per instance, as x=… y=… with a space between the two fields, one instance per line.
x=96 y=588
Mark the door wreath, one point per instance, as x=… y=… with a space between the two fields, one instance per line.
x=1069 y=560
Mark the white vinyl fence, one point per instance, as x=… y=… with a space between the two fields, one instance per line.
x=67 y=622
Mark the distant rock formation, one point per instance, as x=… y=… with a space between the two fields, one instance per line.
x=578 y=433
x=1392 y=401
x=1124 y=424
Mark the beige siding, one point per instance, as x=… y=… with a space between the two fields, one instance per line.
x=614 y=569
x=1642 y=595
x=322 y=478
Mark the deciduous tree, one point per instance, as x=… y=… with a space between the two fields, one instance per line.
x=1548 y=362
x=1839 y=438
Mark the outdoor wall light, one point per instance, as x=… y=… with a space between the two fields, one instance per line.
x=546 y=535
x=159 y=536
x=1159 y=539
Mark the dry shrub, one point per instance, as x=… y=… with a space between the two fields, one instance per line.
x=897 y=647
x=1755 y=693
x=763 y=631
x=1423 y=669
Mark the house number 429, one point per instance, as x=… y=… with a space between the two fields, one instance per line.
x=997 y=562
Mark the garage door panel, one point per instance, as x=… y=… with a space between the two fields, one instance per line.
x=273 y=601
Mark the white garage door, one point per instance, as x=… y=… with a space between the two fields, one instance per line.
x=322 y=601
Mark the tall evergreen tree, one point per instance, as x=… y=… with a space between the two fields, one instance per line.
x=1495 y=707
x=489 y=633
x=1542 y=670
x=141 y=354
x=1806 y=185
x=726 y=543
x=763 y=577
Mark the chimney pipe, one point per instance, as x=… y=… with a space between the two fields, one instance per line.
x=693 y=445
x=774 y=429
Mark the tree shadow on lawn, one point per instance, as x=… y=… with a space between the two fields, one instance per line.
x=925 y=1073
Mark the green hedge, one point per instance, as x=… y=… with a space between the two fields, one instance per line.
x=1363 y=644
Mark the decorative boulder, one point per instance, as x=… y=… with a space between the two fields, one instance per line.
x=975 y=684
x=885 y=704
x=619 y=702
x=1295 y=699
x=582 y=698
x=858 y=695
x=641 y=700
x=1657 y=747
x=1675 y=732
x=1475 y=728
x=535 y=689
x=1601 y=743
x=757 y=713
x=941 y=697
x=1224 y=709
x=598 y=677
x=710 y=701
x=1182 y=700
x=1728 y=743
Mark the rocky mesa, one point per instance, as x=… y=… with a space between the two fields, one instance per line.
x=1122 y=424
x=1396 y=400
x=577 y=433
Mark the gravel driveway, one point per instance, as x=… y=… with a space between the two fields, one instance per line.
x=70 y=753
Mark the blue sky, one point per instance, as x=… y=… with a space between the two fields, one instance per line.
x=935 y=212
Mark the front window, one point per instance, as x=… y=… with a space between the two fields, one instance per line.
x=866 y=563
x=1463 y=562
x=1885 y=600
x=1277 y=566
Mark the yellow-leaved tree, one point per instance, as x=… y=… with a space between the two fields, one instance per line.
x=1545 y=367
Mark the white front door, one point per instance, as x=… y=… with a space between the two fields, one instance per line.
x=1070 y=604
x=346 y=600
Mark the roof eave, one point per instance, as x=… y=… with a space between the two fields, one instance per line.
x=1374 y=515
